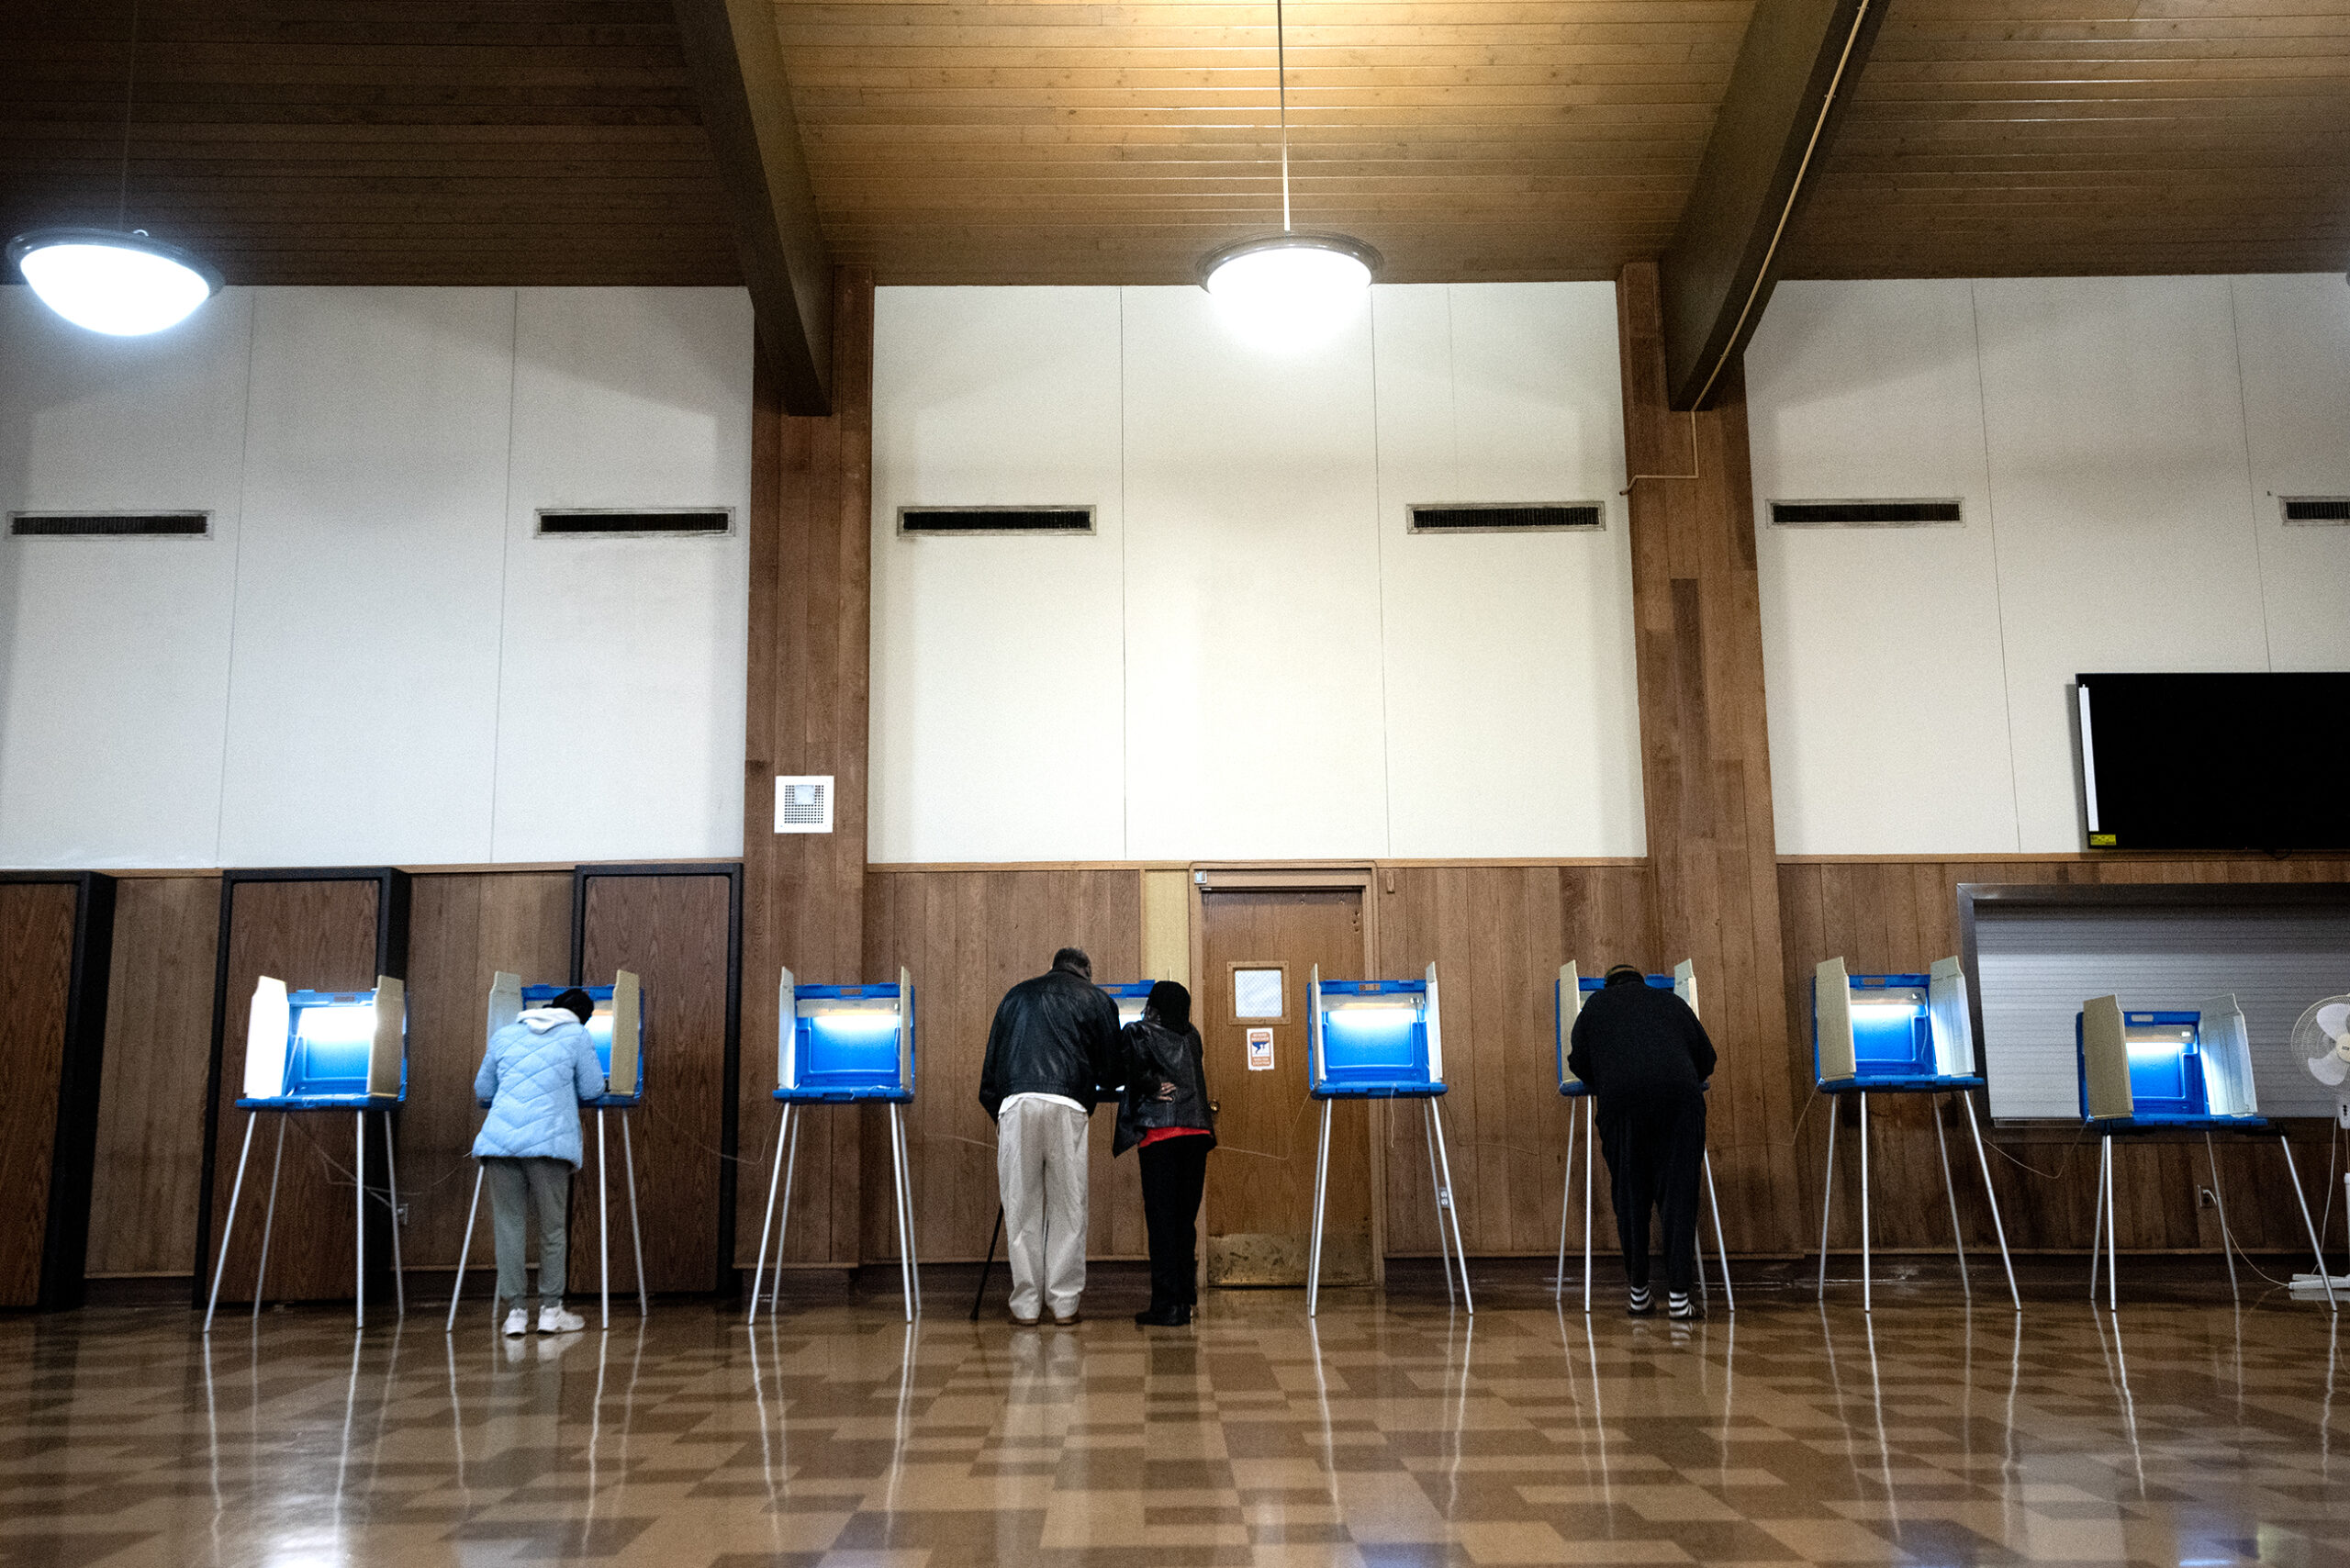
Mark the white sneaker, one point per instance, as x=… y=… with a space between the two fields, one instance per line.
x=555 y=1320
x=517 y=1322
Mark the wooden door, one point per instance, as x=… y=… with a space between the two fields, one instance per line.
x=1259 y=949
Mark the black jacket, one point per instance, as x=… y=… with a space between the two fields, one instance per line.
x=1156 y=1056
x=1639 y=1040
x=1054 y=1035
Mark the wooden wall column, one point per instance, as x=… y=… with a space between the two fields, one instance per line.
x=812 y=545
x=56 y=949
x=1705 y=760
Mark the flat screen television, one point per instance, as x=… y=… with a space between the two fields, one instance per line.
x=2255 y=761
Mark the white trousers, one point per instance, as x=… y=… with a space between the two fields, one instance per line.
x=1040 y=1166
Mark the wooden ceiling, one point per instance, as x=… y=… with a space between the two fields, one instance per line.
x=1031 y=142
x=341 y=141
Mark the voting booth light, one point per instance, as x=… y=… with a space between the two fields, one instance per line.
x=1892 y=1032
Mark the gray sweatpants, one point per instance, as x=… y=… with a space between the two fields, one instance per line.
x=1040 y=1166
x=547 y=1183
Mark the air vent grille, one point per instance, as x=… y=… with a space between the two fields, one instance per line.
x=995 y=519
x=109 y=525
x=655 y=523
x=2317 y=509
x=803 y=802
x=1865 y=514
x=1510 y=517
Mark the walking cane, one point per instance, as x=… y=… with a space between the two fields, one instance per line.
x=980 y=1295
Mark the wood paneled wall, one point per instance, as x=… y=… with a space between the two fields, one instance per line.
x=37 y=921
x=464 y=927
x=314 y=935
x=1898 y=916
x=1706 y=757
x=966 y=937
x=803 y=894
x=149 y=1168
x=672 y=930
x=1497 y=935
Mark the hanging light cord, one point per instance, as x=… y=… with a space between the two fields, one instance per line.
x=130 y=87
x=1281 y=78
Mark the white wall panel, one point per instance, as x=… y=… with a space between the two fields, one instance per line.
x=1512 y=716
x=1254 y=722
x=2117 y=440
x=999 y=700
x=620 y=715
x=364 y=700
x=114 y=654
x=2293 y=340
x=1880 y=646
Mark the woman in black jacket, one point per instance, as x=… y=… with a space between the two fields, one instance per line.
x=1165 y=1112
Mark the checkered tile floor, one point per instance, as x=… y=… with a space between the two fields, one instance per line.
x=1388 y=1435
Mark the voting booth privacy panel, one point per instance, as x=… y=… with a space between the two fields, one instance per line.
x=841 y=1045
x=56 y=944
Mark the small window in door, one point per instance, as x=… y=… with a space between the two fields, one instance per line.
x=1257 y=994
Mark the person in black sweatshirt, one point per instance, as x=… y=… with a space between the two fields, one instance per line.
x=1641 y=1052
x=1165 y=1114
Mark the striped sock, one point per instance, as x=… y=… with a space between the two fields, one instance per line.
x=1678 y=1305
x=1641 y=1298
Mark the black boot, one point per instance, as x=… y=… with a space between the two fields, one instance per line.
x=1163 y=1316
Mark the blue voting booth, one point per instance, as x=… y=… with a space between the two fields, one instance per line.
x=1130 y=996
x=1898 y=1034
x=841 y=1045
x=1382 y=1040
x=2180 y=1069
x=322 y=1050
x=616 y=1028
x=1567 y=996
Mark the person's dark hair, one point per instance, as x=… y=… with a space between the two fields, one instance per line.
x=1626 y=974
x=580 y=1004
x=1170 y=1004
x=1074 y=960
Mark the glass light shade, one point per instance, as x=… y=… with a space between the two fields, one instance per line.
x=122 y=284
x=1291 y=287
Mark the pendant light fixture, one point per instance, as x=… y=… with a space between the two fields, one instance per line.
x=1290 y=282
x=107 y=280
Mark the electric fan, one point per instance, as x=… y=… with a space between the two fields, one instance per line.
x=2322 y=1039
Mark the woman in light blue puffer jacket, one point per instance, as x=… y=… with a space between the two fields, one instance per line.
x=537 y=1071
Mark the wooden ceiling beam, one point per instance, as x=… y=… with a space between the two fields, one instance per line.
x=735 y=59
x=1795 y=72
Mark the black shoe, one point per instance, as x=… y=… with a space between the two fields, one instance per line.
x=1174 y=1316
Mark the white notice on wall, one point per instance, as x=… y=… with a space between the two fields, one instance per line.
x=1261 y=1050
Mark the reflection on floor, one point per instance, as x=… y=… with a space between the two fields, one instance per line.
x=2192 y=1436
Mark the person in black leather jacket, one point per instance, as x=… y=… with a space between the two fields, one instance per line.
x=1165 y=1110
x=1642 y=1052
x=1053 y=1051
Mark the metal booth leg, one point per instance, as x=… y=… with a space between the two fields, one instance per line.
x=2219 y=1204
x=904 y=1217
x=466 y=1251
x=1868 y=1302
x=1590 y=1150
x=1949 y=1191
x=603 y=1227
x=1998 y=1226
x=229 y=1225
x=392 y=1201
x=1436 y=1190
x=1828 y=1191
x=269 y=1217
x=783 y=1214
x=914 y=1241
x=1459 y=1247
x=2112 y=1232
x=1321 y=1178
x=766 y=1223
x=1721 y=1245
x=359 y=1190
x=2315 y=1245
x=2096 y=1213
x=635 y=1230
x=1566 y=1202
